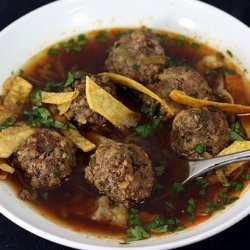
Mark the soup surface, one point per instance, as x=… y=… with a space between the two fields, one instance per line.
x=171 y=206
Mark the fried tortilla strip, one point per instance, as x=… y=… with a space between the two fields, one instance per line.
x=17 y=94
x=5 y=114
x=182 y=98
x=98 y=139
x=81 y=142
x=129 y=83
x=245 y=123
x=106 y=105
x=6 y=167
x=13 y=137
x=7 y=85
x=233 y=148
x=58 y=98
x=63 y=108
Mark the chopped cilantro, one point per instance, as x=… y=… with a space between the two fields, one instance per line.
x=160 y=170
x=21 y=72
x=133 y=217
x=221 y=71
x=157 y=223
x=148 y=129
x=69 y=80
x=39 y=116
x=135 y=66
x=191 y=206
x=45 y=195
x=229 y=53
x=246 y=177
x=136 y=233
x=169 y=205
x=200 y=148
x=153 y=110
x=169 y=62
x=195 y=45
x=238 y=186
x=178 y=187
x=59 y=87
x=102 y=36
x=236 y=133
x=158 y=187
x=53 y=51
x=6 y=123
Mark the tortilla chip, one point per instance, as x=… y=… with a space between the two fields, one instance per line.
x=58 y=98
x=6 y=168
x=7 y=85
x=234 y=148
x=81 y=142
x=97 y=138
x=12 y=138
x=17 y=94
x=63 y=108
x=129 y=83
x=5 y=114
x=106 y=105
x=245 y=123
x=3 y=175
x=182 y=98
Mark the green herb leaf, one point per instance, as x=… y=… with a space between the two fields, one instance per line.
x=229 y=53
x=236 y=133
x=45 y=195
x=133 y=217
x=6 y=123
x=221 y=71
x=53 y=51
x=153 y=110
x=200 y=148
x=158 y=187
x=160 y=170
x=238 y=186
x=148 y=129
x=195 y=45
x=191 y=206
x=178 y=187
x=169 y=205
x=102 y=36
x=135 y=66
x=136 y=233
x=69 y=80
x=246 y=177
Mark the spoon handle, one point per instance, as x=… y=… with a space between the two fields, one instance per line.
x=197 y=168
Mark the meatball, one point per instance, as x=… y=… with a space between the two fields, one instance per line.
x=194 y=127
x=130 y=53
x=123 y=172
x=181 y=78
x=79 y=110
x=46 y=158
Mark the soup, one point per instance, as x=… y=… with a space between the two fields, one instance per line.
x=161 y=204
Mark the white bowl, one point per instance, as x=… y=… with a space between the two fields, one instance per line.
x=56 y=21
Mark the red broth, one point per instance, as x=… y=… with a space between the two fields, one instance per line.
x=74 y=201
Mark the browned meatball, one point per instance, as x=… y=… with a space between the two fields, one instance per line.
x=202 y=127
x=181 y=78
x=79 y=110
x=123 y=172
x=46 y=158
x=130 y=54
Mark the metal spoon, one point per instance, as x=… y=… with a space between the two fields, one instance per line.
x=200 y=167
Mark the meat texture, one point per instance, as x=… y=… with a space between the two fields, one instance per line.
x=137 y=55
x=46 y=158
x=123 y=172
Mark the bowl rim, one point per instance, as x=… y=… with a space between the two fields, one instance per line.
x=66 y=242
